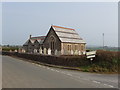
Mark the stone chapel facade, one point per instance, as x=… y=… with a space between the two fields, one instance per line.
x=59 y=41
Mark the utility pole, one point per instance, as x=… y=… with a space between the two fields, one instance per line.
x=103 y=41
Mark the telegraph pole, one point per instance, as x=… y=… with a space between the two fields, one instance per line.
x=103 y=41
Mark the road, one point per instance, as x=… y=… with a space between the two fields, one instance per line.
x=17 y=73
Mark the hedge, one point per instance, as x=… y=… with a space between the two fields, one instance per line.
x=105 y=61
x=72 y=61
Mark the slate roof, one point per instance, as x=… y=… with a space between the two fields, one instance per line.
x=40 y=39
x=67 y=34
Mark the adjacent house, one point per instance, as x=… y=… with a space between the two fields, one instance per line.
x=59 y=40
x=33 y=44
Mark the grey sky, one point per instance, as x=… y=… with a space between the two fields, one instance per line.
x=0 y=23
x=90 y=20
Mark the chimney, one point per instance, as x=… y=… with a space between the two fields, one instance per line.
x=30 y=36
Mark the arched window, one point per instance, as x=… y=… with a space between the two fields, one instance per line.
x=69 y=47
x=52 y=43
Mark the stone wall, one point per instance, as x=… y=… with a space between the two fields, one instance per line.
x=47 y=42
x=73 y=48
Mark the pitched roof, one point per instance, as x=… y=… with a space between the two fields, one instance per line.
x=67 y=34
x=40 y=39
x=62 y=27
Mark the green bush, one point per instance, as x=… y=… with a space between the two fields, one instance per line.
x=106 y=61
x=9 y=48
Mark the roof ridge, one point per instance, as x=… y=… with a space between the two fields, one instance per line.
x=70 y=37
x=66 y=32
x=62 y=27
x=38 y=36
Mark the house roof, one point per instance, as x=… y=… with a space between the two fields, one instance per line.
x=67 y=34
x=40 y=40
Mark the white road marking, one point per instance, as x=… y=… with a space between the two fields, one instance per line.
x=57 y=71
x=52 y=69
x=48 y=68
x=85 y=79
x=69 y=74
x=96 y=82
x=63 y=72
x=39 y=65
x=110 y=86
x=72 y=75
x=105 y=84
x=43 y=66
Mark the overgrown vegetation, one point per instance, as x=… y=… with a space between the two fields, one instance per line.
x=104 y=62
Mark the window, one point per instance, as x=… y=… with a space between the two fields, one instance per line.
x=69 y=47
x=82 y=47
x=52 y=43
x=76 y=47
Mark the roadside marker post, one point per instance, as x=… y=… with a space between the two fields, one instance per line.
x=90 y=55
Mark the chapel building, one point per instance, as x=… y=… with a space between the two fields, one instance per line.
x=59 y=40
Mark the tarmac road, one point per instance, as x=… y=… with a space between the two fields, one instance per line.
x=17 y=73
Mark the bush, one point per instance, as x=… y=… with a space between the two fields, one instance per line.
x=72 y=61
x=107 y=60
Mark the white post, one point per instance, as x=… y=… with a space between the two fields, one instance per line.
x=56 y=52
x=75 y=52
x=71 y=52
x=40 y=50
x=15 y=50
x=10 y=50
x=34 y=50
x=79 y=52
x=45 y=51
x=49 y=51
x=23 y=51
x=84 y=52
